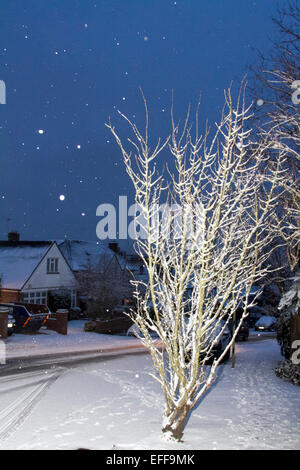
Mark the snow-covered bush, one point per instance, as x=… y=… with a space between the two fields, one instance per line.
x=288 y=371
x=284 y=334
x=289 y=305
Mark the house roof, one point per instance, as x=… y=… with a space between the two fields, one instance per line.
x=18 y=260
x=82 y=255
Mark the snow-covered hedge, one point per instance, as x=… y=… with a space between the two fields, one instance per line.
x=288 y=371
x=288 y=306
x=291 y=299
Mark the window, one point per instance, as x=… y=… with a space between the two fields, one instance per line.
x=73 y=298
x=36 y=297
x=52 y=265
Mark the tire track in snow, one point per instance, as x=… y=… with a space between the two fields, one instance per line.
x=15 y=414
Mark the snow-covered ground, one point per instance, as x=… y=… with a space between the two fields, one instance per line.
x=112 y=403
x=47 y=342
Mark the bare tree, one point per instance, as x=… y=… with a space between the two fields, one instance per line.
x=206 y=231
x=104 y=285
x=277 y=87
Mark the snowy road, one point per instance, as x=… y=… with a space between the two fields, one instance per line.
x=112 y=401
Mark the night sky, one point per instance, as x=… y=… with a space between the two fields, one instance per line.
x=70 y=64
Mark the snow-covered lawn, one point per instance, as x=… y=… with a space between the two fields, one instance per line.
x=114 y=402
x=47 y=342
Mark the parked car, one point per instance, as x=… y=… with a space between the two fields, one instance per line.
x=219 y=341
x=243 y=333
x=135 y=331
x=11 y=325
x=266 y=323
x=220 y=346
x=255 y=313
x=28 y=317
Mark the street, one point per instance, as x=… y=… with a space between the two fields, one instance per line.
x=105 y=402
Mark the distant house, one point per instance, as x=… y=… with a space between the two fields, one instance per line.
x=96 y=267
x=30 y=270
x=33 y=270
x=85 y=255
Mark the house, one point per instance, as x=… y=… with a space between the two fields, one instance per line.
x=97 y=268
x=32 y=270
x=131 y=263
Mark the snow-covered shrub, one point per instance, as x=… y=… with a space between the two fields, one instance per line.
x=288 y=371
x=287 y=331
x=284 y=333
x=289 y=305
x=58 y=299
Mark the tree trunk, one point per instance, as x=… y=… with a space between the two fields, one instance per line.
x=175 y=422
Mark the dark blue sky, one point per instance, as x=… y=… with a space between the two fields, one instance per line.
x=69 y=64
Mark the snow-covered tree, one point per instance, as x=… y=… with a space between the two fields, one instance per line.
x=277 y=92
x=205 y=232
x=288 y=331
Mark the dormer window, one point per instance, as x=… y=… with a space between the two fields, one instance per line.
x=52 y=266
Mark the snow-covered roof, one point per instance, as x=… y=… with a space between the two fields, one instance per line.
x=82 y=254
x=18 y=260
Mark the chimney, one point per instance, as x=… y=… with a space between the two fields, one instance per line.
x=113 y=246
x=13 y=237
